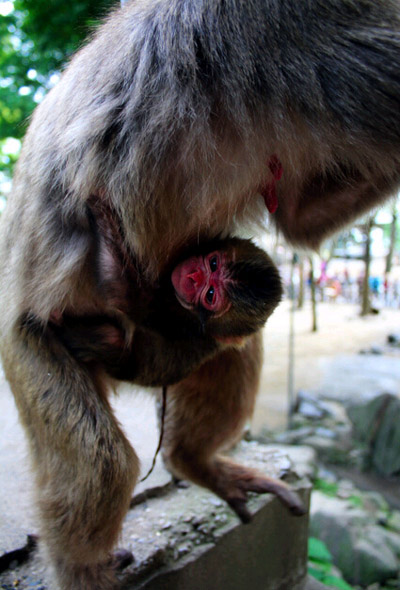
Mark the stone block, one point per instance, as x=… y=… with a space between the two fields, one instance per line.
x=377 y=423
x=201 y=544
x=188 y=539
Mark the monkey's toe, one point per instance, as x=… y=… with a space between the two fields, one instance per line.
x=238 y=505
x=121 y=559
x=281 y=490
x=298 y=509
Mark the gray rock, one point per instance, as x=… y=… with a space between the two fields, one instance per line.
x=372 y=350
x=294 y=436
x=325 y=432
x=394 y=521
x=363 y=415
x=336 y=411
x=394 y=339
x=392 y=540
x=346 y=488
x=386 y=456
x=372 y=563
x=364 y=552
x=320 y=443
x=330 y=449
x=310 y=410
x=310 y=397
x=376 y=350
x=313 y=584
x=312 y=407
x=377 y=423
x=375 y=501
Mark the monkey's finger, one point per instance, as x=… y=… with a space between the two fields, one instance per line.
x=289 y=498
x=238 y=505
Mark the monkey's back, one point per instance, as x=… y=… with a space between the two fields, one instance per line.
x=171 y=113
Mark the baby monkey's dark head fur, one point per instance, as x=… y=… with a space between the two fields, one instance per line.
x=255 y=290
x=233 y=298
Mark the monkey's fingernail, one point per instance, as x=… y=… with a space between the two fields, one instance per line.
x=239 y=506
x=298 y=509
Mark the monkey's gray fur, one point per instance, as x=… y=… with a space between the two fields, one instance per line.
x=171 y=114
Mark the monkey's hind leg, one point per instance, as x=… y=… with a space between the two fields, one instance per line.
x=85 y=467
x=206 y=412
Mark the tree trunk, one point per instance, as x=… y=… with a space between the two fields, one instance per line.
x=300 y=298
x=393 y=231
x=291 y=386
x=313 y=297
x=365 y=302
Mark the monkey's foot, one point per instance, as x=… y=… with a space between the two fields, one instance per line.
x=121 y=559
x=234 y=481
x=180 y=483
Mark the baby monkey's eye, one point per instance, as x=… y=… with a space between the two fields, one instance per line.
x=213 y=263
x=210 y=294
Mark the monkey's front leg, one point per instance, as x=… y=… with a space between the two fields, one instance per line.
x=205 y=414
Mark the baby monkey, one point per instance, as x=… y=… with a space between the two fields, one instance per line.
x=212 y=297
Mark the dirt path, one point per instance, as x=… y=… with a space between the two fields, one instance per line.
x=341 y=331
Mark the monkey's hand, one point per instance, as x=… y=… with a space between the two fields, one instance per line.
x=232 y=482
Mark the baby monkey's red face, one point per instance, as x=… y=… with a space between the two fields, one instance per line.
x=200 y=281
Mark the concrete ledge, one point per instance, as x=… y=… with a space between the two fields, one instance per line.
x=188 y=539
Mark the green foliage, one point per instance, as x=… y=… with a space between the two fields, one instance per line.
x=36 y=38
x=320 y=565
x=356 y=501
x=318 y=551
x=336 y=582
x=57 y=28
x=326 y=487
x=15 y=104
x=330 y=489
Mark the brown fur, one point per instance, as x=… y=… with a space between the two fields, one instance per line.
x=169 y=341
x=171 y=114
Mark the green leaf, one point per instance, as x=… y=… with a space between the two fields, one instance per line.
x=36 y=39
x=355 y=501
x=322 y=566
x=336 y=582
x=317 y=574
x=326 y=487
x=318 y=551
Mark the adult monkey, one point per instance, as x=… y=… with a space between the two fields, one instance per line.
x=178 y=114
